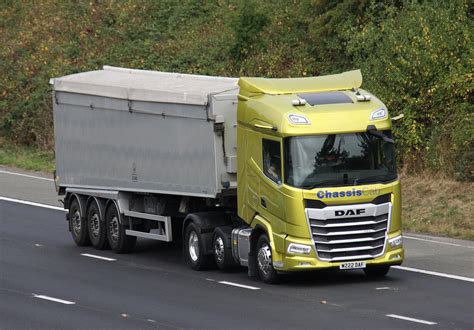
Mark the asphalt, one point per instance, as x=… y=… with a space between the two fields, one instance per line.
x=152 y=288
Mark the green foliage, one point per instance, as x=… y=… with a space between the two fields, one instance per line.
x=415 y=56
x=417 y=60
x=247 y=25
x=27 y=158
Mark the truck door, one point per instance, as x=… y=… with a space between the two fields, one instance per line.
x=271 y=198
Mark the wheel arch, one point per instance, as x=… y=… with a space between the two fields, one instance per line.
x=100 y=204
x=80 y=200
x=206 y=222
x=110 y=203
x=260 y=226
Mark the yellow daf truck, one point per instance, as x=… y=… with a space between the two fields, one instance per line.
x=277 y=175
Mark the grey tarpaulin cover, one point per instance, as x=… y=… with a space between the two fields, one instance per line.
x=143 y=85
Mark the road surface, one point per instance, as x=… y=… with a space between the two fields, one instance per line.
x=48 y=282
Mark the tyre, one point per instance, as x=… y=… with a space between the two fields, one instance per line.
x=78 y=224
x=118 y=240
x=222 y=248
x=265 y=269
x=96 y=227
x=194 y=248
x=377 y=271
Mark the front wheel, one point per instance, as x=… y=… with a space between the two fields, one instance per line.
x=377 y=271
x=265 y=269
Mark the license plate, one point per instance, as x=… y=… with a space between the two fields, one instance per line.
x=352 y=265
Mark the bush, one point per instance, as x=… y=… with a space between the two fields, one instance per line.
x=415 y=56
x=418 y=60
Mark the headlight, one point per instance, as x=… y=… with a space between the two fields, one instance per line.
x=298 y=119
x=294 y=248
x=396 y=241
x=380 y=113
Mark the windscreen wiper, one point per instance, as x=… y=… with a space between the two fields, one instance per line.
x=327 y=183
x=372 y=130
x=375 y=178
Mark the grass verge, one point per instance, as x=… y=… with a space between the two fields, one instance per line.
x=27 y=158
x=438 y=206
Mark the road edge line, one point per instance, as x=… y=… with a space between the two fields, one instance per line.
x=437 y=242
x=26 y=175
x=20 y=201
x=430 y=272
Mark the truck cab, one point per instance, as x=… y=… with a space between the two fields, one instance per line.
x=317 y=176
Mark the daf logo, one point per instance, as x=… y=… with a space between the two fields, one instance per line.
x=341 y=213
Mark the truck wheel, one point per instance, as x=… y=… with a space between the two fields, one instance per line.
x=78 y=224
x=222 y=248
x=118 y=240
x=194 y=249
x=97 y=227
x=265 y=268
x=377 y=271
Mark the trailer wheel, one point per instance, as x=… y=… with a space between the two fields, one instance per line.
x=194 y=248
x=377 y=271
x=97 y=227
x=222 y=248
x=78 y=224
x=265 y=268
x=118 y=240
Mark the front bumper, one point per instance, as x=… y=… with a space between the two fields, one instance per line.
x=284 y=262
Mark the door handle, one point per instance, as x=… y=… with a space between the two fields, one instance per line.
x=263 y=202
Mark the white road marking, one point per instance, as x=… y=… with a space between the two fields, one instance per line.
x=395 y=316
x=26 y=175
x=210 y=279
x=46 y=206
x=61 y=301
x=383 y=288
x=239 y=285
x=97 y=257
x=429 y=272
x=438 y=242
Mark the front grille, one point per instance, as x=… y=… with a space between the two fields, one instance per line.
x=349 y=237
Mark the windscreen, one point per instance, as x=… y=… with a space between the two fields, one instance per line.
x=338 y=160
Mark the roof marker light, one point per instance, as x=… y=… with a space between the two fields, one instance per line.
x=298 y=119
x=298 y=102
x=363 y=97
x=380 y=113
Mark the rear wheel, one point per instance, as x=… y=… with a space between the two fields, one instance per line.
x=118 y=240
x=78 y=224
x=97 y=227
x=222 y=248
x=377 y=271
x=194 y=248
x=265 y=269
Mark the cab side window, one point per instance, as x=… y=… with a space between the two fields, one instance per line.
x=272 y=160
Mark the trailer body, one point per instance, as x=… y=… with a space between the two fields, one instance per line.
x=109 y=136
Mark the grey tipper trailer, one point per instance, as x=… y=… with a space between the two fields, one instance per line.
x=136 y=151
